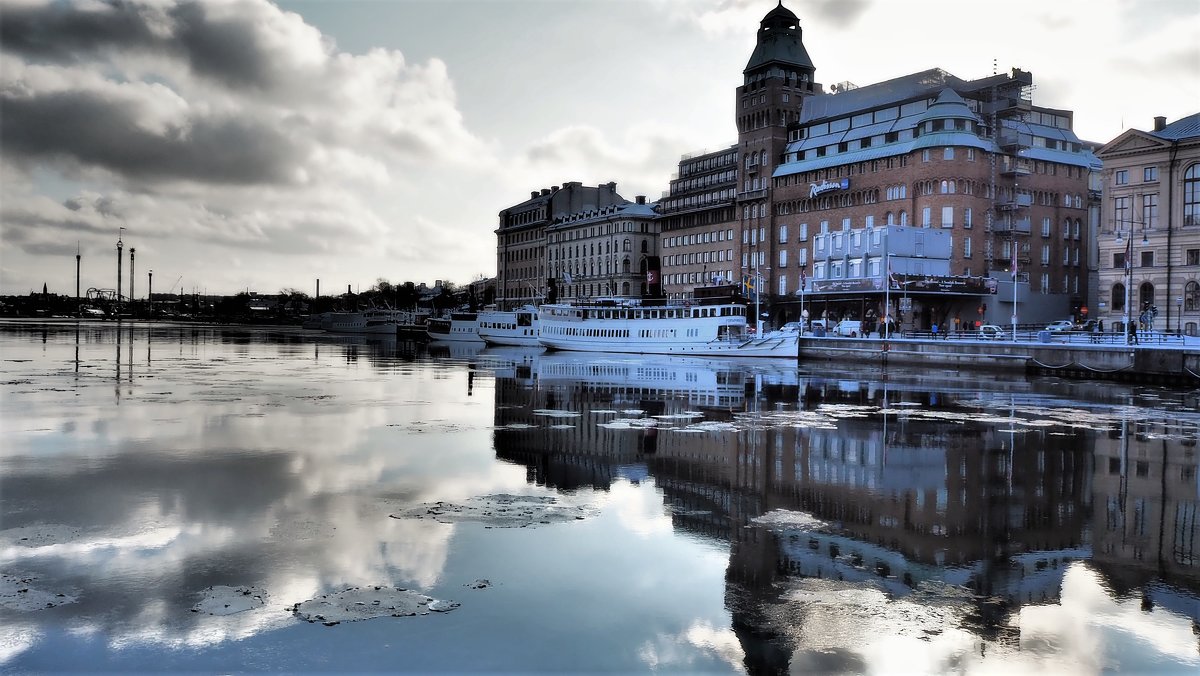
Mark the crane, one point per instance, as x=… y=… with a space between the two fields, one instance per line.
x=172 y=289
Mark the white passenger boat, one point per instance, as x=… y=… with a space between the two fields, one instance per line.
x=459 y=327
x=511 y=327
x=703 y=330
x=373 y=321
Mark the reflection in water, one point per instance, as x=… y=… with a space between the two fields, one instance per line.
x=856 y=521
x=953 y=513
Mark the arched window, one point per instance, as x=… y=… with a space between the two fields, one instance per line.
x=645 y=246
x=1191 y=195
x=1145 y=295
x=889 y=218
x=903 y=217
x=1191 y=296
x=1118 y=298
x=625 y=288
x=628 y=245
x=625 y=264
x=642 y=267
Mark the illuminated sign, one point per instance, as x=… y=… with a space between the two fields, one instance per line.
x=815 y=189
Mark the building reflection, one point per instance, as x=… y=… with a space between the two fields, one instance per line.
x=1146 y=522
x=965 y=494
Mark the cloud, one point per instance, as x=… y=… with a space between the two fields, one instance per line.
x=202 y=125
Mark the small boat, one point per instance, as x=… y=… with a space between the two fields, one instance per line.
x=459 y=327
x=512 y=327
x=703 y=330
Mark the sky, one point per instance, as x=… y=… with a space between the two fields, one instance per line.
x=245 y=145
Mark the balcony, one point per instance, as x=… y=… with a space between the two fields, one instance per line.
x=759 y=194
x=1016 y=166
x=1017 y=227
x=1022 y=200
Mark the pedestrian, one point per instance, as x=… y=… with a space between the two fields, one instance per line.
x=934 y=329
x=1132 y=329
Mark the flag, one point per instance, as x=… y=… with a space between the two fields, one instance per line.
x=748 y=287
x=1129 y=255
x=1014 y=264
x=567 y=278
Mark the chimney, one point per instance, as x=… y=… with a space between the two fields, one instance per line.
x=641 y=199
x=545 y=191
x=533 y=194
x=1160 y=123
x=554 y=188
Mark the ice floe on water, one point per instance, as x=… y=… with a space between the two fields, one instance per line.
x=499 y=511
x=628 y=423
x=365 y=603
x=684 y=415
x=222 y=600
x=791 y=520
x=19 y=593
x=553 y=413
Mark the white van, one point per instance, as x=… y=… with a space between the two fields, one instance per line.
x=849 y=328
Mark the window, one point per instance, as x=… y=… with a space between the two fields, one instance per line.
x=1150 y=210
x=1149 y=174
x=967 y=247
x=1147 y=259
x=1046 y=227
x=1145 y=295
x=1193 y=257
x=1191 y=195
x=925 y=155
x=925 y=217
x=783 y=258
x=970 y=154
x=948 y=153
x=1122 y=212
x=804 y=232
x=1045 y=254
x=1118 y=297
x=1118 y=259
x=782 y=284
x=967 y=217
x=1121 y=177
x=1191 y=296
x=947 y=217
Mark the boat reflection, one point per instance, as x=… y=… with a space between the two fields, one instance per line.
x=950 y=496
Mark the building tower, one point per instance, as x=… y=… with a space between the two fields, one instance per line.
x=120 y=246
x=77 y=258
x=777 y=78
x=131 y=250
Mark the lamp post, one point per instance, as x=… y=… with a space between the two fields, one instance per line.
x=1128 y=278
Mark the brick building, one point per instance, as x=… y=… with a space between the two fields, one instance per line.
x=811 y=197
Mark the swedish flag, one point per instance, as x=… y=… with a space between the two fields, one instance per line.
x=748 y=288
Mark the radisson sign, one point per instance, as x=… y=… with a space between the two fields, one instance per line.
x=815 y=189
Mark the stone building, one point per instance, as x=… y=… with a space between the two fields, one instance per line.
x=1149 y=240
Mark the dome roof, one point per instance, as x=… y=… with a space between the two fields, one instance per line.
x=948 y=105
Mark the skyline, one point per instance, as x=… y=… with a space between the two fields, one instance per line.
x=251 y=146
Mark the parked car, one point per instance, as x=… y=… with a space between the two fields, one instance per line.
x=992 y=332
x=1060 y=325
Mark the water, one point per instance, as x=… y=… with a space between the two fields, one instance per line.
x=716 y=516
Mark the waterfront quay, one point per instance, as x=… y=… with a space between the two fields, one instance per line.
x=1156 y=358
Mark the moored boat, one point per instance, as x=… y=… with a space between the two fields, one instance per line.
x=509 y=327
x=459 y=327
x=706 y=330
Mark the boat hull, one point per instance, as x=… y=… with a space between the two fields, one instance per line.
x=779 y=348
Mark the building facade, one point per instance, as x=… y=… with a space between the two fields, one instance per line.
x=1149 y=241
x=1007 y=180
x=522 y=264
x=603 y=251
